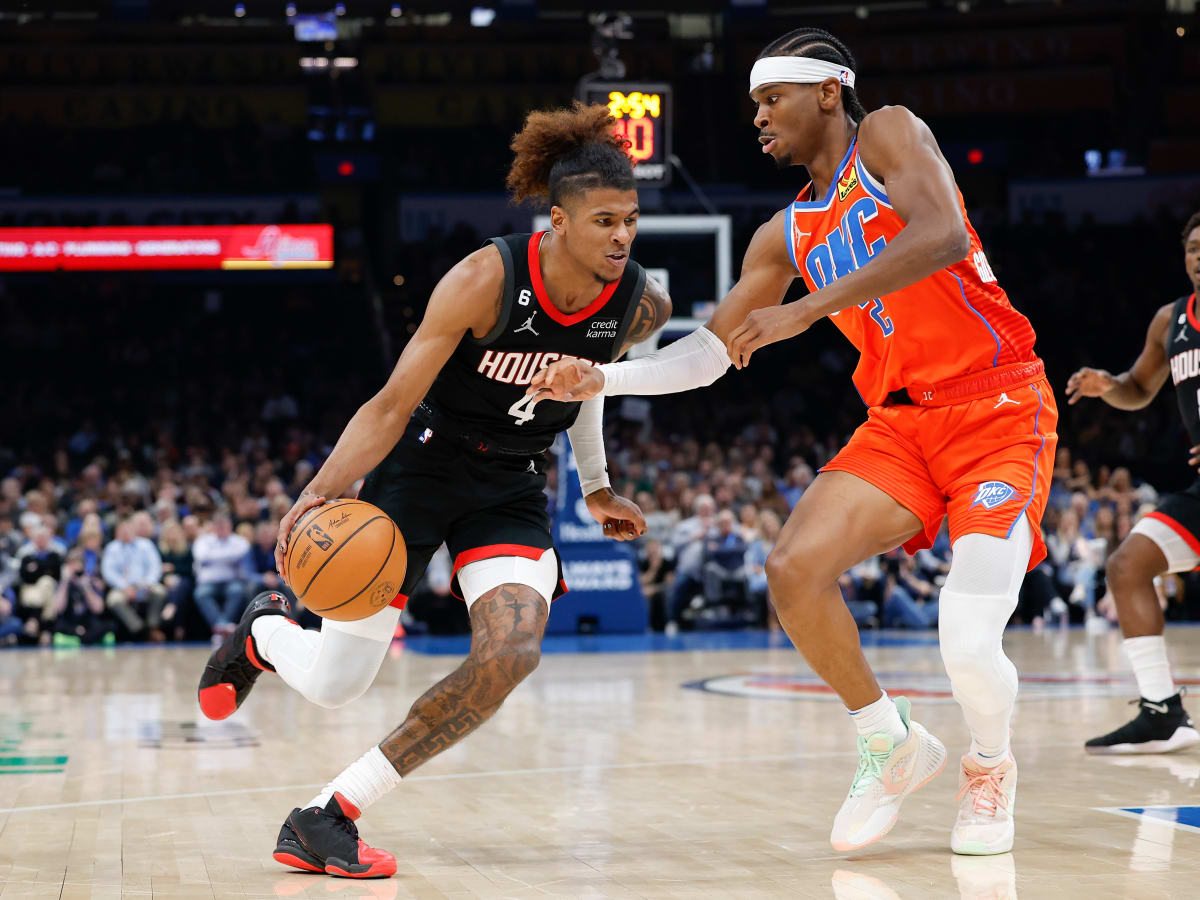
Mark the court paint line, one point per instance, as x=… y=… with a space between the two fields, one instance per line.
x=1139 y=817
x=456 y=776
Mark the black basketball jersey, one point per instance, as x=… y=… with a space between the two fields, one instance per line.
x=480 y=392
x=1183 y=352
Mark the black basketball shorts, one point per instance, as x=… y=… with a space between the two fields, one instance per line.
x=482 y=505
x=1174 y=526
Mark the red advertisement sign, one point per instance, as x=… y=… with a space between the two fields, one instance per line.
x=167 y=247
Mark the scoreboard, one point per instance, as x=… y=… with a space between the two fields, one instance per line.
x=643 y=114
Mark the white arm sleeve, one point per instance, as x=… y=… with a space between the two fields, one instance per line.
x=696 y=360
x=587 y=442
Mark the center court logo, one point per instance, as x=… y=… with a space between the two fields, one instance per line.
x=924 y=686
x=992 y=494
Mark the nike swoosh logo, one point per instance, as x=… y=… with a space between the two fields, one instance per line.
x=1158 y=707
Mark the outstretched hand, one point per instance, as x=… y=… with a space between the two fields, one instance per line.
x=1088 y=383
x=567 y=380
x=621 y=519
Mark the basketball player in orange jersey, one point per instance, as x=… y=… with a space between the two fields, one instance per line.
x=454 y=450
x=960 y=421
x=1165 y=540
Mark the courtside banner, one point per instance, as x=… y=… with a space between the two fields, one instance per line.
x=167 y=247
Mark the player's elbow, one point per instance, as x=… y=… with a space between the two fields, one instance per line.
x=954 y=245
x=666 y=308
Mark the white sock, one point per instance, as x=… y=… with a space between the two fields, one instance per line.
x=1148 y=656
x=362 y=782
x=991 y=758
x=881 y=715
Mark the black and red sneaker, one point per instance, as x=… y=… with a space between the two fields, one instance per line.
x=326 y=840
x=234 y=666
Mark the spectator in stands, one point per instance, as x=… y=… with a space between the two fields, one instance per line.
x=262 y=558
x=91 y=540
x=724 y=560
x=85 y=508
x=688 y=543
x=10 y=623
x=144 y=526
x=1073 y=560
x=10 y=545
x=132 y=568
x=799 y=477
x=219 y=561
x=862 y=589
x=909 y=600
x=656 y=576
x=756 y=561
x=178 y=577
x=40 y=566
x=79 y=614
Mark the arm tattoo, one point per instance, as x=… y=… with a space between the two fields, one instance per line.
x=653 y=310
x=507 y=625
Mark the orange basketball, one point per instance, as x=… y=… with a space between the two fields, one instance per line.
x=345 y=560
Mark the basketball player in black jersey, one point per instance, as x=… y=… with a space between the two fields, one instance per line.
x=1166 y=540
x=454 y=450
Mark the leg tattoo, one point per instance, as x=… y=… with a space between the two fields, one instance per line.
x=507 y=625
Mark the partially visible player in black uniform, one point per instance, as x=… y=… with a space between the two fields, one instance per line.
x=1166 y=540
x=454 y=450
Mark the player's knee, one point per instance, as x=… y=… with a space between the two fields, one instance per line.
x=784 y=568
x=1127 y=571
x=967 y=652
x=510 y=661
x=333 y=693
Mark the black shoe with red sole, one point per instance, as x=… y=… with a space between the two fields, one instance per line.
x=234 y=666
x=326 y=840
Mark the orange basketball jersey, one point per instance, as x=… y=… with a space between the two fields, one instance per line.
x=955 y=322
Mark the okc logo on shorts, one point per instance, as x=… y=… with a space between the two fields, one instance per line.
x=992 y=494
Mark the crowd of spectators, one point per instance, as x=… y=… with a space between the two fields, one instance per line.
x=171 y=545
x=153 y=410
x=713 y=514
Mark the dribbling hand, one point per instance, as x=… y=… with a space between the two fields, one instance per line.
x=621 y=519
x=568 y=380
x=306 y=501
x=1088 y=383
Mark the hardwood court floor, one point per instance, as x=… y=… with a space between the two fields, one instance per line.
x=603 y=776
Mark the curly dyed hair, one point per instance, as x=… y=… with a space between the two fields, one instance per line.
x=561 y=153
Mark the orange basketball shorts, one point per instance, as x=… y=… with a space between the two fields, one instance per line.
x=982 y=462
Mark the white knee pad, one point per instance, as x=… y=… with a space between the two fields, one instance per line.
x=970 y=632
x=380 y=626
x=477 y=578
x=337 y=664
x=973 y=609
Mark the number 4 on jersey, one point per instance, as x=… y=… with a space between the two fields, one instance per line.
x=522 y=410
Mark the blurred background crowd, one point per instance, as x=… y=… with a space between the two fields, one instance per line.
x=156 y=425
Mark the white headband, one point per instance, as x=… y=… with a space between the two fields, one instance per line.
x=797 y=70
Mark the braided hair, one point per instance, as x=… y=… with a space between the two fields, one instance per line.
x=815 y=43
x=561 y=153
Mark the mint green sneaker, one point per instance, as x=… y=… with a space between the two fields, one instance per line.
x=887 y=773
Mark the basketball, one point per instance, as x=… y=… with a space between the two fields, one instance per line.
x=345 y=560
